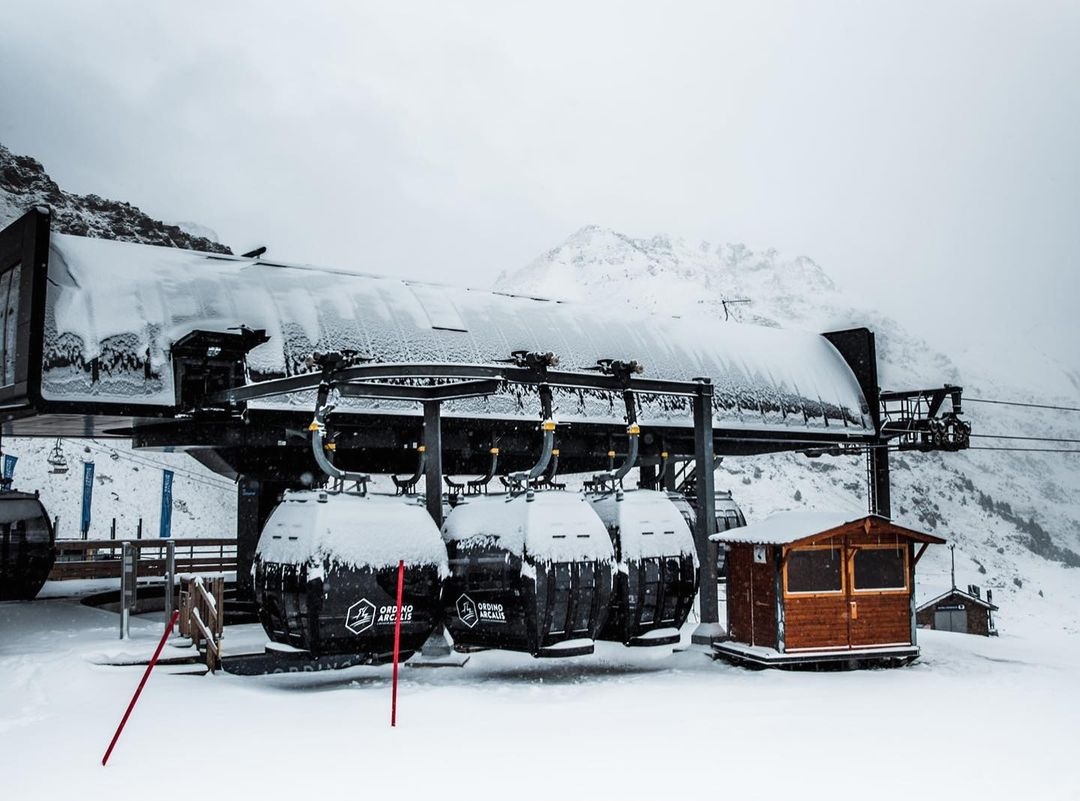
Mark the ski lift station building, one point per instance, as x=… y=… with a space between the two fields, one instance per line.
x=225 y=358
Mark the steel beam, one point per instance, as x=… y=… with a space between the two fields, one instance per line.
x=709 y=629
x=433 y=477
x=878 y=475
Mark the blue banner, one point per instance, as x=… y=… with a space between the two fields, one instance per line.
x=166 y=504
x=87 y=494
x=9 y=466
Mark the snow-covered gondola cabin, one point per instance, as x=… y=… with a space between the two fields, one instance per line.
x=959 y=611
x=656 y=577
x=27 y=541
x=809 y=588
x=326 y=574
x=530 y=572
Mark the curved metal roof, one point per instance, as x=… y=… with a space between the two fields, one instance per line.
x=125 y=304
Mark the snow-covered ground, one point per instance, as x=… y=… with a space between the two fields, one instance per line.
x=974 y=718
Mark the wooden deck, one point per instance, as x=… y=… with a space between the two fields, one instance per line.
x=760 y=656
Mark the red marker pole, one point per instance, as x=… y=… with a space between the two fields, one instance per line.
x=146 y=675
x=397 y=639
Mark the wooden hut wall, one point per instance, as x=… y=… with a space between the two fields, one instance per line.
x=751 y=600
x=834 y=616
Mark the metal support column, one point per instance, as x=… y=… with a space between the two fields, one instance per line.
x=433 y=477
x=128 y=579
x=436 y=647
x=709 y=629
x=254 y=502
x=170 y=579
x=878 y=480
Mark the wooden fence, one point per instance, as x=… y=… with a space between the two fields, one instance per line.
x=202 y=616
x=83 y=559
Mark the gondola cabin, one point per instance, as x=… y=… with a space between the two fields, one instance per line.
x=530 y=572
x=810 y=588
x=657 y=571
x=27 y=546
x=326 y=574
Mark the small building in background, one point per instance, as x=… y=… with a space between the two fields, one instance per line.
x=959 y=611
x=812 y=588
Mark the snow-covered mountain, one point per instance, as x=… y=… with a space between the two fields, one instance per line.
x=1014 y=516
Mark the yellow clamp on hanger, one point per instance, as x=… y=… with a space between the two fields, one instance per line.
x=633 y=429
x=549 y=425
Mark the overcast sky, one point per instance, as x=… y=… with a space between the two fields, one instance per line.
x=928 y=153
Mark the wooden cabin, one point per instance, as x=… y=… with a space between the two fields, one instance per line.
x=808 y=588
x=959 y=611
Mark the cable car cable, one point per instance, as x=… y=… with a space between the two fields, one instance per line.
x=1033 y=439
x=1018 y=403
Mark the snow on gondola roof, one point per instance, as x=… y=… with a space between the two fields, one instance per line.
x=125 y=305
x=650 y=524
x=546 y=526
x=362 y=531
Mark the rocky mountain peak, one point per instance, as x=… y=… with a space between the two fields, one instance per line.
x=24 y=184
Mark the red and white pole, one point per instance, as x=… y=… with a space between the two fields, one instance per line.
x=397 y=639
x=138 y=691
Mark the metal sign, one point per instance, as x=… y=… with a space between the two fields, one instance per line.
x=9 y=466
x=87 y=495
x=166 y=504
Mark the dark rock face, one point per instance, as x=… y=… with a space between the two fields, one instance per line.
x=24 y=184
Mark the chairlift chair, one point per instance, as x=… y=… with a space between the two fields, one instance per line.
x=57 y=462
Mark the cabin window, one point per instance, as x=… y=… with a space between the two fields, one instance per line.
x=814 y=570
x=879 y=568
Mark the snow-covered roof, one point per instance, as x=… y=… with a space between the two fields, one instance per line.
x=362 y=531
x=967 y=596
x=649 y=524
x=784 y=527
x=549 y=526
x=125 y=304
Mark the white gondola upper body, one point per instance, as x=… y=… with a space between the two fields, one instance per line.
x=648 y=524
x=318 y=528
x=545 y=526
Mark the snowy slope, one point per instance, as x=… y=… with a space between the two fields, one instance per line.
x=1015 y=517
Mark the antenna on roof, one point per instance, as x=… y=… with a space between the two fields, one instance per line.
x=952 y=556
x=254 y=254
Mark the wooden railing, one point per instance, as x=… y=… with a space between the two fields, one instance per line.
x=82 y=559
x=202 y=615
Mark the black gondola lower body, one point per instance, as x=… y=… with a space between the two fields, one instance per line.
x=27 y=553
x=553 y=609
x=347 y=610
x=651 y=601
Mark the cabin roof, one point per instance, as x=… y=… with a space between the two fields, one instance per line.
x=803 y=528
x=967 y=596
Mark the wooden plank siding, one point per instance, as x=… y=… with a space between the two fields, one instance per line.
x=751 y=596
x=831 y=621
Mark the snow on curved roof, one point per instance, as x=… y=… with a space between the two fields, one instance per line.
x=649 y=524
x=362 y=531
x=547 y=526
x=125 y=304
x=784 y=527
